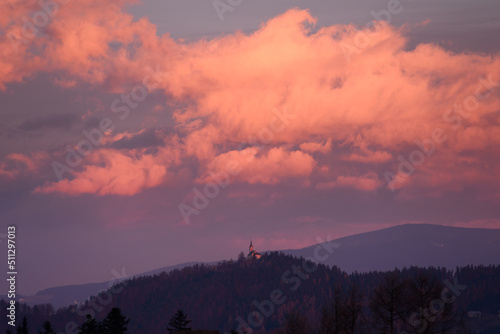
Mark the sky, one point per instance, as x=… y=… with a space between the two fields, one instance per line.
x=137 y=135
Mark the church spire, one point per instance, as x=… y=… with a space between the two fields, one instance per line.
x=252 y=253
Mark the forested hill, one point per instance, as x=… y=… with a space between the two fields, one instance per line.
x=277 y=285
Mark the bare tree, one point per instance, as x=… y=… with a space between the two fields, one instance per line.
x=296 y=324
x=388 y=304
x=331 y=318
x=426 y=312
x=343 y=314
x=353 y=308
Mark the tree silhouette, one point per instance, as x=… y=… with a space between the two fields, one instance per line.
x=296 y=324
x=47 y=328
x=388 y=304
x=331 y=317
x=344 y=312
x=178 y=322
x=114 y=323
x=426 y=312
x=90 y=326
x=241 y=257
x=353 y=308
x=23 y=328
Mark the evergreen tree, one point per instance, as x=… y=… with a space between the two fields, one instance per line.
x=90 y=326
x=8 y=331
x=47 y=328
x=178 y=322
x=114 y=323
x=23 y=328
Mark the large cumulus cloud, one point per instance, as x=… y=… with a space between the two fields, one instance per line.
x=327 y=107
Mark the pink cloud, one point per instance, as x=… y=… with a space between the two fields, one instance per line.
x=16 y=165
x=316 y=147
x=112 y=173
x=271 y=167
x=286 y=87
x=367 y=182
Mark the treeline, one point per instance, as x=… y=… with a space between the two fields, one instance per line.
x=420 y=304
x=114 y=323
x=267 y=295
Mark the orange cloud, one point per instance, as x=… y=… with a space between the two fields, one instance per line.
x=367 y=182
x=286 y=87
x=317 y=147
x=111 y=173
x=271 y=167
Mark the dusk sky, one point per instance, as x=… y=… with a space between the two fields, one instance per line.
x=141 y=135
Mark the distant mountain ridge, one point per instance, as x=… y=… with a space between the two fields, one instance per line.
x=408 y=245
x=400 y=246
x=70 y=294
